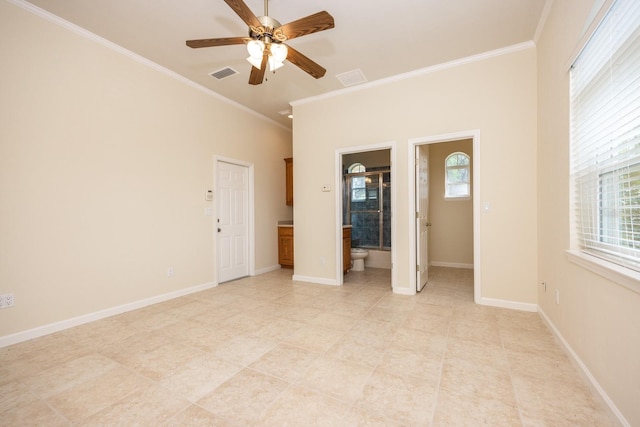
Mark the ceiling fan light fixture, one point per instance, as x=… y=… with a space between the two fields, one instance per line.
x=255 y=62
x=255 y=49
x=278 y=53
x=274 y=65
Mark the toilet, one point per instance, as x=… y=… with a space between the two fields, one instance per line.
x=357 y=256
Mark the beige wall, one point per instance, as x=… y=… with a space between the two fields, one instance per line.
x=370 y=159
x=451 y=233
x=104 y=164
x=598 y=318
x=496 y=95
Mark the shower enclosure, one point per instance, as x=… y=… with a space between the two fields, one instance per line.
x=367 y=208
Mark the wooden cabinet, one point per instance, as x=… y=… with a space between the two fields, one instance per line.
x=285 y=247
x=289 y=181
x=346 y=249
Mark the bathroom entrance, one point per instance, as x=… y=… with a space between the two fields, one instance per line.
x=366 y=207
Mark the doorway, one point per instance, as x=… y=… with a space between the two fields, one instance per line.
x=365 y=195
x=445 y=218
x=234 y=220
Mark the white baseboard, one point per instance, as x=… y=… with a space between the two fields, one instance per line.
x=267 y=269
x=585 y=371
x=450 y=264
x=404 y=291
x=317 y=280
x=102 y=314
x=513 y=305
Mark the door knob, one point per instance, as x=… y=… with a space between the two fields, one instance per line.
x=219 y=229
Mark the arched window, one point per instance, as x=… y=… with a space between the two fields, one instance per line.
x=358 y=184
x=457 y=176
x=357 y=168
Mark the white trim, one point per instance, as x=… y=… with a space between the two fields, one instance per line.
x=623 y=276
x=404 y=291
x=456 y=136
x=417 y=73
x=267 y=269
x=391 y=146
x=98 y=315
x=456 y=198
x=597 y=17
x=337 y=185
x=250 y=213
x=543 y=20
x=450 y=264
x=513 y=305
x=316 y=280
x=585 y=371
x=134 y=56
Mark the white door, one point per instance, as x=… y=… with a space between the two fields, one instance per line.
x=422 y=221
x=233 y=221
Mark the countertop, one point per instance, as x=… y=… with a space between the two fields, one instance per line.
x=289 y=223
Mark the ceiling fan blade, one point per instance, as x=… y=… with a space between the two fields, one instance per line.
x=243 y=12
x=225 y=41
x=311 y=24
x=304 y=63
x=257 y=76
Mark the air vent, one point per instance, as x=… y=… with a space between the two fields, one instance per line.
x=223 y=73
x=352 y=78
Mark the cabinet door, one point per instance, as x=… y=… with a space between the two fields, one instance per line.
x=289 y=181
x=285 y=246
x=346 y=250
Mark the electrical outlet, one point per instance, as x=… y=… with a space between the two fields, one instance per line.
x=6 y=300
x=170 y=272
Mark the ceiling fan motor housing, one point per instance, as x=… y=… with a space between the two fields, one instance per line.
x=268 y=31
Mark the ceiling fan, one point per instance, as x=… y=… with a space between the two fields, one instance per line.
x=266 y=40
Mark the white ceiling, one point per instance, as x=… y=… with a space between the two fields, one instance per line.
x=381 y=38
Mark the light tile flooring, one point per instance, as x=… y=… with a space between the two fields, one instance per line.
x=268 y=351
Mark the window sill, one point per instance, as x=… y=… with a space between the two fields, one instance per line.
x=623 y=276
x=456 y=199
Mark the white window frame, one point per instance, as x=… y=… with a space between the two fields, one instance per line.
x=467 y=182
x=603 y=83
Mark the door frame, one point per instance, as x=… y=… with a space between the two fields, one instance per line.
x=251 y=239
x=421 y=269
x=413 y=143
x=339 y=189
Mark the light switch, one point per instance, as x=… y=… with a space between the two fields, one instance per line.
x=326 y=188
x=486 y=206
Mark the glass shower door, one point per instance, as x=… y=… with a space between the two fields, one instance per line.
x=370 y=210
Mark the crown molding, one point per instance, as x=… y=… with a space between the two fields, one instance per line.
x=421 y=72
x=48 y=16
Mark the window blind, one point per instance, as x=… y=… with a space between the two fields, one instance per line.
x=605 y=138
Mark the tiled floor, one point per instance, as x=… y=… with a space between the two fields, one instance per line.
x=268 y=351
